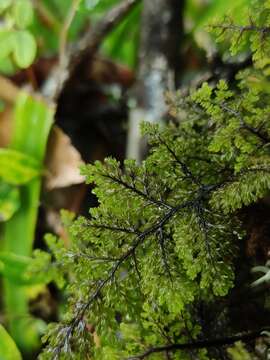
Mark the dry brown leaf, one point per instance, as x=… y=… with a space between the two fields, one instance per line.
x=62 y=161
x=8 y=90
x=6 y=125
x=8 y=93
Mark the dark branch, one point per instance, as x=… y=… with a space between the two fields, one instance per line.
x=251 y=27
x=135 y=190
x=201 y=344
x=161 y=241
x=183 y=166
x=136 y=265
x=93 y=258
x=263 y=137
x=204 y=227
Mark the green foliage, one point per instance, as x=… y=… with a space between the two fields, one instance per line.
x=238 y=352
x=17 y=42
x=20 y=270
x=20 y=173
x=48 y=32
x=8 y=349
x=17 y=168
x=251 y=29
x=201 y=14
x=54 y=270
x=126 y=33
x=23 y=13
x=166 y=235
x=9 y=200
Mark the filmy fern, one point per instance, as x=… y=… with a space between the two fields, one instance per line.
x=165 y=237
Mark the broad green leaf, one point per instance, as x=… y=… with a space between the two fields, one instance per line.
x=4 y=4
x=9 y=201
x=25 y=48
x=32 y=122
x=6 y=42
x=17 y=168
x=8 y=348
x=23 y=13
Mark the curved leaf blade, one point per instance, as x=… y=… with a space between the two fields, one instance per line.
x=17 y=168
x=9 y=201
x=8 y=348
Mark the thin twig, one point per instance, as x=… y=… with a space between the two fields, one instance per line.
x=204 y=227
x=46 y=16
x=261 y=29
x=93 y=37
x=264 y=138
x=183 y=166
x=113 y=228
x=136 y=265
x=201 y=344
x=135 y=190
x=161 y=241
x=92 y=258
x=64 y=32
x=87 y=46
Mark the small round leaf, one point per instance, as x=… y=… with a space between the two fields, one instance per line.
x=25 y=48
x=6 y=42
x=23 y=13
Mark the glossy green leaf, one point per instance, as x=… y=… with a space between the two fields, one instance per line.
x=6 y=43
x=9 y=201
x=8 y=348
x=32 y=122
x=23 y=13
x=17 y=168
x=25 y=48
